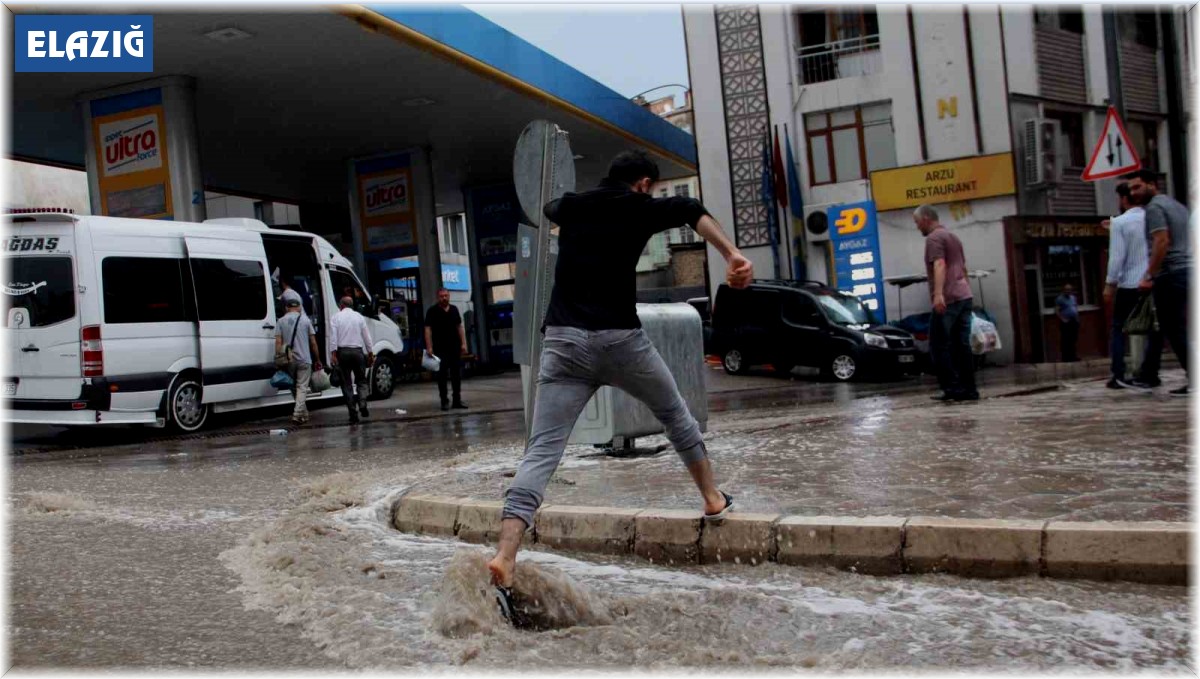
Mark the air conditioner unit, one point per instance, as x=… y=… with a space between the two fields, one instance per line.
x=1040 y=147
x=816 y=222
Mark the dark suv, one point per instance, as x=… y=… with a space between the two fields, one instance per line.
x=791 y=323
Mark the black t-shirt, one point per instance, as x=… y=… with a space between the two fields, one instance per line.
x=601 y=236
x=444 y=326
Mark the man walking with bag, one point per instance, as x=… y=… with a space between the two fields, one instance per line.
x=350 y=346
x=300 y=353
x=1126 y=266
x=950 y=294
x=446 y=339
x=1168 y=275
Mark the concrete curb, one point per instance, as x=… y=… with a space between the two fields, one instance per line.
x=1152 y=552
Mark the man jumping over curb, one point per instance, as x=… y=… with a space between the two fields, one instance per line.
x=593 y=338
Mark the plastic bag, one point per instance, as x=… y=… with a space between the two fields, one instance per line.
x=1143 y=320
x=431 y=363
x=319 y=381
x=984 y=337
x=282 y=380
x=335 y=377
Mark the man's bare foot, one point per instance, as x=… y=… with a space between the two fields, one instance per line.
x=713 y=505
x=502 y=570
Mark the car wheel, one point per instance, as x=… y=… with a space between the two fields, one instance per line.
x=186 y=411
x=383 y=377
x=842 y=367
x=734 y=362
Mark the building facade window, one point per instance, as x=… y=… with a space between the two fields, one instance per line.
x=1071 y=145
x=1138 y=27
x=1062 y=17
x=683 y=190
x=847 y=144
x=837 y=42
x=454 y=236
x=1074 y=265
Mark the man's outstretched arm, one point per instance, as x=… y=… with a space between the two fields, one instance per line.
x=738 y=270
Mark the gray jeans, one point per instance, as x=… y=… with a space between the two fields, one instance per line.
x=575 y=363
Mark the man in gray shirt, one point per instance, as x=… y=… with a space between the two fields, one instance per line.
x=295 y=329
x=1169 y=272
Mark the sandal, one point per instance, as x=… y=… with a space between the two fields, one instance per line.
x=719 y=517
x=504 y=599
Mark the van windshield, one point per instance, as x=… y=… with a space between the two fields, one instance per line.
x=43 y=286
x=844 y=309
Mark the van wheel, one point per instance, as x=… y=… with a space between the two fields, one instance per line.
x=841 y=367
x=186 y=411
x=734 y=362
x=383 y=377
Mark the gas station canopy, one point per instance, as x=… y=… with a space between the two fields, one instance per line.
x=283 y=100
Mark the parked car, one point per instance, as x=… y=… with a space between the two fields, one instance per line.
x=791 y=323
x=120 y=321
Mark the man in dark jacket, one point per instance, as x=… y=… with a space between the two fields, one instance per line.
x=593 y=336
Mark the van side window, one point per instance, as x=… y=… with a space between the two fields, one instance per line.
x=230 y=289
x=799 y=309
x=43 y=286
x=146 y=290
x=344 y=284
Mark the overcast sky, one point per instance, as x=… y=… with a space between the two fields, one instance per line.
x=629 y=48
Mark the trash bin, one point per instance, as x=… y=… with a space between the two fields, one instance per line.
x=615 y=418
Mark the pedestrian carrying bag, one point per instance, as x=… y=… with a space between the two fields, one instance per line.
x=431 y=363
x=319 y=381
x=984 y=337
x=1143 y=320
x=283 y=357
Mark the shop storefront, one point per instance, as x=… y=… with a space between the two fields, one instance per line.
x=1045 y=254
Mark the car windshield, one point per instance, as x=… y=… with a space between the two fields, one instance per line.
x=844 y=309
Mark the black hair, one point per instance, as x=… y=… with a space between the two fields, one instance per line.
x=1148 y=176
x=631 y=166
x=1123 y=190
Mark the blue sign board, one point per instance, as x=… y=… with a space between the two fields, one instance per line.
x=854 y=233
x=83 y=43
x=454 y=276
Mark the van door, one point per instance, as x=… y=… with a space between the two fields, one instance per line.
x=803 y=330
x=41 y=313
x=236 y=323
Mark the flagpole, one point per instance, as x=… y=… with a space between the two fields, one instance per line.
x=784 y=234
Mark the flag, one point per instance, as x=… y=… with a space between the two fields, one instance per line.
x=781 y=194
x=768 y=199
x=799 y=244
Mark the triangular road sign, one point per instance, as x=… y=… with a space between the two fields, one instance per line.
x=1114 y=154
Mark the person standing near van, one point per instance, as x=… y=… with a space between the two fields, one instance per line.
x=446 y=338
x=295 y=330
x=950 y=295
x=593 y=337
x=350 y=347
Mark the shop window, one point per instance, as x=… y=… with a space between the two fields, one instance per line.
x=1074 y=265
x=454 y=236
x=847 y=144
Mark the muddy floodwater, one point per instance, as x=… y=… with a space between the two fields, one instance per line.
x=276 y=552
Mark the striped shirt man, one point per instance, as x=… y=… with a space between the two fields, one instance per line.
x=1127 y=254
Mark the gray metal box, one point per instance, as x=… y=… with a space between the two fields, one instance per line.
x=611 y=414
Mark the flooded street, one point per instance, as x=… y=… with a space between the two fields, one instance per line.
x=259 y=552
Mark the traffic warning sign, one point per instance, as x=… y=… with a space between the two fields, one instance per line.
x=1114 y=154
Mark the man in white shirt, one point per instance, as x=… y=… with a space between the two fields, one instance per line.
x=350 y=346
x=1127 y=261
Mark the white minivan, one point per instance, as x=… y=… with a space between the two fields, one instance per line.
x=116 y=321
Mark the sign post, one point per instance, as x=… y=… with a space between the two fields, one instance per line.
x=1114 y=153
x=855 y=239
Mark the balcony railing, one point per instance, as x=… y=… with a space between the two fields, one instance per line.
x=840 y=59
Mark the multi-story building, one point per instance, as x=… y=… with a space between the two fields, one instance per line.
x=988 y=112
